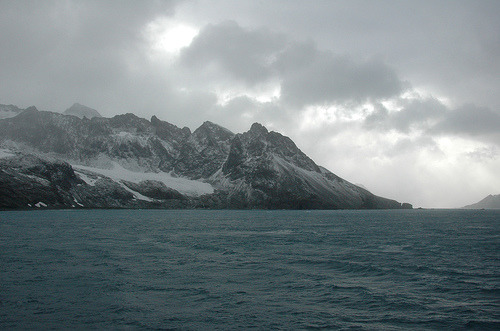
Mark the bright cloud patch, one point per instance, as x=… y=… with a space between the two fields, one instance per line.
x=168 y=36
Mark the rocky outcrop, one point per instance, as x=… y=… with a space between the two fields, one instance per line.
x=31 y=182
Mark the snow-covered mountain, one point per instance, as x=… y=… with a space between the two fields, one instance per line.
x=490 y=202
x=60 y=161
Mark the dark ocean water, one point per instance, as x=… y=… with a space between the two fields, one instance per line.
x=202 y=270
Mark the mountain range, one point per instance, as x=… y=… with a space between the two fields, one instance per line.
x=80 y=159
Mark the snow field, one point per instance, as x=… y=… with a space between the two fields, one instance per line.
x=118 y=173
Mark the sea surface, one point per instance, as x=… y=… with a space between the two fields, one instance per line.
x=289 y=270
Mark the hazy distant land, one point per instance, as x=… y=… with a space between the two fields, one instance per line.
x=490 y=202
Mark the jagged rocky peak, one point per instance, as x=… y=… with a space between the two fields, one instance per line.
x=131 y=123
x=259 y=142
x=82 y=111
x=258 y=128
x=126 y=120
x=211 y=126
x=211 y=131
x=168 y=131
x=155 y=120
x=254 y=142
x=31 y=109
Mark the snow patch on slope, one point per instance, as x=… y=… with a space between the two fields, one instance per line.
x=128 y=137
x=4 y=153
x=86 y=177
x=76 y=201
x=7 y=114
x=118 y=173
x=136 y=194
x=90 y=181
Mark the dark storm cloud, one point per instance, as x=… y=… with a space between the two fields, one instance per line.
x=330 y=79
x=470 y=120
x=414 y=114
x=434 y=118
x=245 y=55
x=308 y=76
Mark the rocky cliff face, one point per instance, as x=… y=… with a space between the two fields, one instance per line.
x=130 y=162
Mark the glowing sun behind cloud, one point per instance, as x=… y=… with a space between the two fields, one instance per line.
x=169 y=36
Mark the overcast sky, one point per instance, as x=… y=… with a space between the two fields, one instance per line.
x=402 y=97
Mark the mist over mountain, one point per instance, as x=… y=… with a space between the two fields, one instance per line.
x=82 y=160
x=82 y=111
